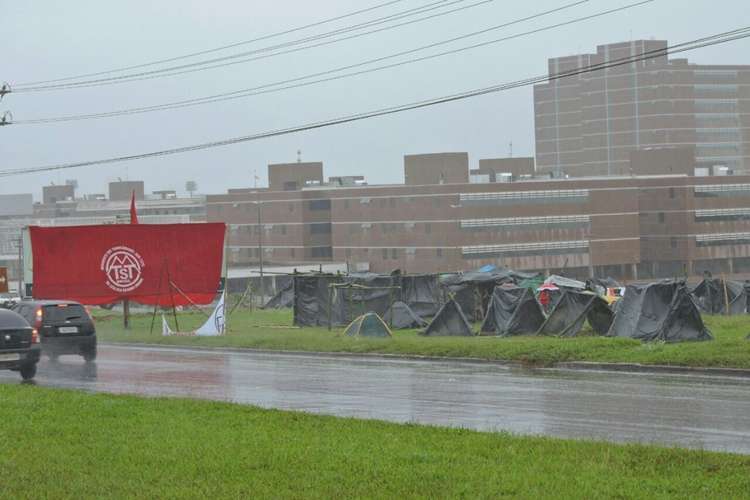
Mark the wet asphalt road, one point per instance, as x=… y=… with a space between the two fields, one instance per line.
x=690 y=411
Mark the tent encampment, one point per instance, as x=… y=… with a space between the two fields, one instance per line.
x=712 y=298
x=368 y=325
x=449 y=321
x=659 y=311
x=573 y=310
x=512 y=311
x=400 y=316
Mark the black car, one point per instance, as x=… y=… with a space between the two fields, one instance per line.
x=19 y=344
x=64 y=327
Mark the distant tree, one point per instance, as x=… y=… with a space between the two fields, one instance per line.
x=191 y=187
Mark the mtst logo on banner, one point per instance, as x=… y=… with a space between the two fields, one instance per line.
x=161 y=264
x=123 y=268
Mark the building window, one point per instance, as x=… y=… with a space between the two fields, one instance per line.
x=348 y=253
x=385 y=254
x=346 y=204
x=673 y=242
x=394 y=254
x=291 y=207
x=320 y=228
x=291 y=253
x=282 y=229
x=322 y=252
x=439 y=253
x=436 y=202
x=382 y=202
x=661 y=218
x=428 y=228
x=392 y=202
x=671 y=193
x=320 y=205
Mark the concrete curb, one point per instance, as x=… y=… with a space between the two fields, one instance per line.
x=564 y=365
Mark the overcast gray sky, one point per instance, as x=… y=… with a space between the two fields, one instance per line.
x=46 y=39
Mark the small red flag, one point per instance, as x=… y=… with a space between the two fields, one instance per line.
x=133 y=213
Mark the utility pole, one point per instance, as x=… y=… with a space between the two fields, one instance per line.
x=19 y=241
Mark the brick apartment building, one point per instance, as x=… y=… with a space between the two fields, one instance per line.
x=589 y=124
x=639 y=226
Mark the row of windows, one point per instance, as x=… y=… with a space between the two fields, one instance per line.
x=722 y=190
x=722 y=214
x=523 y=197
x=721 y=239
x=568 y=221
x=523 y=249
x=392 y=253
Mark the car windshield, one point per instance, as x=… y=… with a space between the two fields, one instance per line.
x=64 y=312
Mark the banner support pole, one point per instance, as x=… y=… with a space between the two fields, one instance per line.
x=126 y=313
x=174 y=309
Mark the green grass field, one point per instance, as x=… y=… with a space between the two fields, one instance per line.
x=64 y=444
x=273 y=330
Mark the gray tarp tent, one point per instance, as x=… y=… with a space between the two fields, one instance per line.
x=421 y=293
x=449 y=321
x=711 y=297
x=659 y=311
x=400 y=316
x=573 y=310
x=284 y=298
x=512 y=311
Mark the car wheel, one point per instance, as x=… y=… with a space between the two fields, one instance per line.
x=89 y=356
x=28 y=371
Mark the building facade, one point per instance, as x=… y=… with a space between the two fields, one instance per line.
x=588 y=124
x=628 y=227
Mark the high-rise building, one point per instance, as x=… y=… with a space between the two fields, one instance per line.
x=589 y=124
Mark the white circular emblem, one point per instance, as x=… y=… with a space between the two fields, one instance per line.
x=123 y=268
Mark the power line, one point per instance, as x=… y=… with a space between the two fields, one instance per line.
x=223 y=47
x=285 y=84
x=202 y=65
x=720 y=38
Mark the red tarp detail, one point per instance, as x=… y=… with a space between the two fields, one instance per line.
x=105 y=264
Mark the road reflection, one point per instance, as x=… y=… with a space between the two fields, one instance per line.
x=691 y=411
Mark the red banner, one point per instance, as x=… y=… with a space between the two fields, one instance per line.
x=161 y=264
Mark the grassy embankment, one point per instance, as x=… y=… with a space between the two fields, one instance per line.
x=273 y=330
x=63 y=444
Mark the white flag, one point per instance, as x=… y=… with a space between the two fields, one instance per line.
x=214 y=325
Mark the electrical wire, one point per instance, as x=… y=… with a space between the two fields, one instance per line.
x=202 y=65
x=284 y=84
x=218 y=49
x=721 y=38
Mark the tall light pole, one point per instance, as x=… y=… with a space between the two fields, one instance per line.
x=260 y=250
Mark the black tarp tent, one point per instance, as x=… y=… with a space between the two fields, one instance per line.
x=356 y=294
x=512 y=311
x=711 y=297
x=661 y=311
x=449 y=321
x=400 y=316
x=473 y=290
x=311 y=300
x=573 y=310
